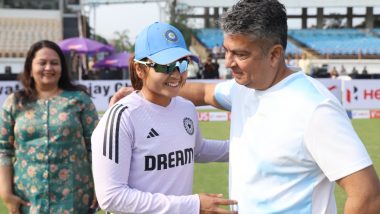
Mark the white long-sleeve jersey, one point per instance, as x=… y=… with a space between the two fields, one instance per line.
x=143 y=156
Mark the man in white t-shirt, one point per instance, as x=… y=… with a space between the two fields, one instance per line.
x=291 y=139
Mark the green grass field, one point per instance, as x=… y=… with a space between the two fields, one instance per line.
x=213 y=178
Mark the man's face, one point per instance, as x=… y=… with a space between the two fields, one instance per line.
x=250 y=66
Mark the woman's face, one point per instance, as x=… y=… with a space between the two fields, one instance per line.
x=46 y=69
x=159 y=88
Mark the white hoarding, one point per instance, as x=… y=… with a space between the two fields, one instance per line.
x=356 y=94
x=361 y=94
x=334 y=86
x=100 y=90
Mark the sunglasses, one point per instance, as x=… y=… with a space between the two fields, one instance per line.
x=169 y=68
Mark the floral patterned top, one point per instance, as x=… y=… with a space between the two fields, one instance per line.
x=48 y=144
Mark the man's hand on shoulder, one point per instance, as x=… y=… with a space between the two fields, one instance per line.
x=122 y=92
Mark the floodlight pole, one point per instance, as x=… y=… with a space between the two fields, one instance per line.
x=94 y=7
x=173 y=5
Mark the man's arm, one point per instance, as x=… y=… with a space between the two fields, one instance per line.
x=122 y=92
x=363 y=191
x=200 y=94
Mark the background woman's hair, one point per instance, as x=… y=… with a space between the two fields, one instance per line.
x=29 y=93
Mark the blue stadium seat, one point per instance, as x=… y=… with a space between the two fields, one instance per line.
x=210 y=37
x=338 y=41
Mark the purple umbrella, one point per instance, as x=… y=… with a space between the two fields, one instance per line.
x=116 y=60
x=82 y=45
x=107 y=48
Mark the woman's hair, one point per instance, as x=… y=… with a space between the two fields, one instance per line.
x=137 y=83
x=29 y=92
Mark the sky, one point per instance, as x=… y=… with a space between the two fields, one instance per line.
x=128 y=16
x=119 y=17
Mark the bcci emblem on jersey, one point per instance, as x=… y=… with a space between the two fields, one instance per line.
x=189 y=125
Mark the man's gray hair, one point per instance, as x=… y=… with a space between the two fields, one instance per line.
x=259 y=19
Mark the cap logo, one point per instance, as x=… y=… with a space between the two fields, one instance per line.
x=171 y=36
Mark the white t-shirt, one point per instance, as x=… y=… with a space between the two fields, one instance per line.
x=143 y=156
x=289 y=144
x=192 y=70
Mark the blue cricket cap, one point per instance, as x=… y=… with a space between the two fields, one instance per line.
x=161 y=43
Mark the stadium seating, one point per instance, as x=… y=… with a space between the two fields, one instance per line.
x=376 y=31
x=209 y=37
x=338 y=41
x=17 y=34
x=293 y=49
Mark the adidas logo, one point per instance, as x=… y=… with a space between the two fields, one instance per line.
x=152 y=133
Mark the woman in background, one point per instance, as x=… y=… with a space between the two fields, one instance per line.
x=45 y=149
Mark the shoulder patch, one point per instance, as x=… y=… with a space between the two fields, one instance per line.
x=189 y=125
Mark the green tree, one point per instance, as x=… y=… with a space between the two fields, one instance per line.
x=99 y=39
x=178 y=18
x=123 y=42
x=336 y=21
